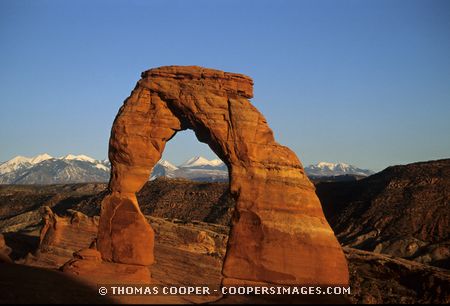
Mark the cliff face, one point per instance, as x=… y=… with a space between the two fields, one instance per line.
x=403 y=211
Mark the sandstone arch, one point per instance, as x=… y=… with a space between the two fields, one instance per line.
x=279 y=233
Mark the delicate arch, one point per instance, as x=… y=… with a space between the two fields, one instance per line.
x=279 y=233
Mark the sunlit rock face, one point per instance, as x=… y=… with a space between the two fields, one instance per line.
x=279 y=233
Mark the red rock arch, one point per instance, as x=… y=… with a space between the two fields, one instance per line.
x=279 y=233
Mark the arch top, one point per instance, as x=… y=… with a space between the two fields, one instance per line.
x=234 y=83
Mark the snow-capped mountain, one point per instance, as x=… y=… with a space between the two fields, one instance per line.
x=45 y=169
x=80 y=157
x=197 y=168
x=21 y=162
x=163 y=168
x=199 y=162
x=335 y=169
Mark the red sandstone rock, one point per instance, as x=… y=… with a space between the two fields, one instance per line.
x=279 y=232
x=63 y=234
x=4 y=251
x=127 y=238
x=88 y=266
x=88 y=254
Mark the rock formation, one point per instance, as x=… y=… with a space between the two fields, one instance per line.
x=89 y=262
x=64 y=232
x=279 y=233
x=374 y=278
x=4 y=251
x=61 y=236
x=69 y=236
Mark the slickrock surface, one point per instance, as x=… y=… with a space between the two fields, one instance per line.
x=60 y=237
x=182 y=257
x=88 y=265
x=187 y=254
x=278 y=218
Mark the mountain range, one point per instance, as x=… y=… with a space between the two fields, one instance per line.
x=335 y=169
x=45 y=169
x=197 y=168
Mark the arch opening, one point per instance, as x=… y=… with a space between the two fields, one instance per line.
x=196 y=207
x=184 y=145
x=185 y=173
x=278 y=235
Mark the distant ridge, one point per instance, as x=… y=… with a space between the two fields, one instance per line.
x=45 y=169
x=402 y=211
x=322 y=169
x=71 y=168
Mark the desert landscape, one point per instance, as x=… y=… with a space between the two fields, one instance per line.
x=224 y=152
x=385 y=235
x=191 y=222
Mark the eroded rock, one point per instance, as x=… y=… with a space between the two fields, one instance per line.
x=4 y=251
x=279 y=233
x=64 y=234
x=88 y=265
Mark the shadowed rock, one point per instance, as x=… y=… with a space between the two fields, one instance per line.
x=4 y=251
x=32 y=285
x=403 y=211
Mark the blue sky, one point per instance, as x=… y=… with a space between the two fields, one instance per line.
x=363 y=82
